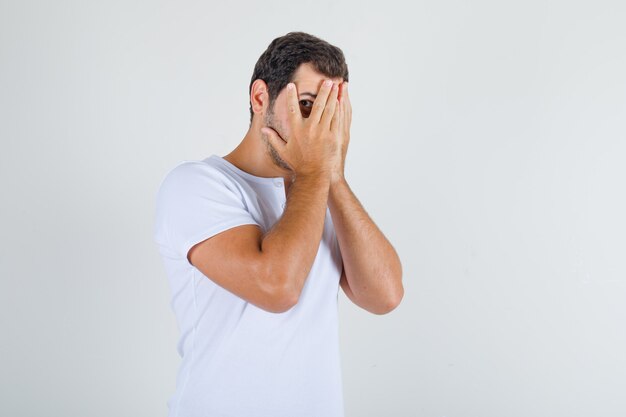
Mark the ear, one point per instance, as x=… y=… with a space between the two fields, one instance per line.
x=259 y=97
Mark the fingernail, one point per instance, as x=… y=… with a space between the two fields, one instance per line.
x=290 y=86
x=328 y=82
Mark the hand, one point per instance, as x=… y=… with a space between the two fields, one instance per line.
x=313 y=148
x=345 y=114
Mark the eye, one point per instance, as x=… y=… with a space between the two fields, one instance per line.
x=306 y=106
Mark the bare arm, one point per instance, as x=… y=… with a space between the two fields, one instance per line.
x=290 y=247
x=269 y=271
x=372 y=271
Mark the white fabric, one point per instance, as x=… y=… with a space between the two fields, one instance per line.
x=239 y=360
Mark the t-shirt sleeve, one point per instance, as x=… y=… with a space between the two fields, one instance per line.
x=194 y=202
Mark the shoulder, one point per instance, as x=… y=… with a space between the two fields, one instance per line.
x=187 y=170
x=190 y=175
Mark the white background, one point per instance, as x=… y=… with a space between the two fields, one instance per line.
x=488 y=143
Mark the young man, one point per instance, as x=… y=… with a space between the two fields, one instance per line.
x=257 y=243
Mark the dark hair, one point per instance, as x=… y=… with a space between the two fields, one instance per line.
x=277 y=65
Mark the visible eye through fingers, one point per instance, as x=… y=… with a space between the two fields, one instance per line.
x=305 y=107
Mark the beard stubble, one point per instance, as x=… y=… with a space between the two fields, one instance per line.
x=273 y=154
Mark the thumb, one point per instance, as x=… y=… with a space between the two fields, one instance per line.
x=274 y=139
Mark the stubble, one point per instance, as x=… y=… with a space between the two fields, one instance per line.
x=274 y=156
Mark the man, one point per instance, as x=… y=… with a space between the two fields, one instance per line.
x=257 y=243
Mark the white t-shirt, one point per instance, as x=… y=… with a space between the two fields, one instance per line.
x=239 y=360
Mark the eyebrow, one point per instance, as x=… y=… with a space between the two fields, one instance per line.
x=309 y=94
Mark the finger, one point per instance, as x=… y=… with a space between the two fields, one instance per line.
x=320 y=102
x=340 y=91
x=331 y=104
x=337 y=121
x=347 y=105
x=293 y=108
x=274 y=139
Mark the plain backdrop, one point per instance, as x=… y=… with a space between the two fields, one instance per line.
x=488 y=144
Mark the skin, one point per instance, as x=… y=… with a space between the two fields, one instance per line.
x=256 y=154
x=372 y=272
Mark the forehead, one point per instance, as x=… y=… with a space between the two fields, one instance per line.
x=307 y=78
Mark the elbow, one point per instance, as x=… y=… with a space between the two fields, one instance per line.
x=286 y=295
x=277 y=302
x=280 y=292
x=286 y=292
x=386 y=308
x=392 y=302
x=396 y=298
x=395 y=302
x=282 y=297
x=284 y=301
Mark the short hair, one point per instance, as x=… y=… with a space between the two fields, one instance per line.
x=277 y=65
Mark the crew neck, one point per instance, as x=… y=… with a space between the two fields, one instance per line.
x=243 y=173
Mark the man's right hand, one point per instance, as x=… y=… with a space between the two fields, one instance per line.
x=313 y=143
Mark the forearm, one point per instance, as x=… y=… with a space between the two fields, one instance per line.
x=293 y=242
x=371 y=264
